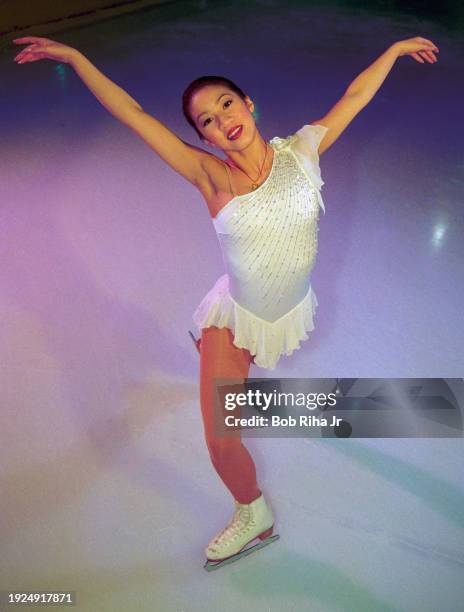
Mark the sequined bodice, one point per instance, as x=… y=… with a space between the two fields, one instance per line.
x=268 y=239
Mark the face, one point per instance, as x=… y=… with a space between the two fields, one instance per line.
x=215 y=117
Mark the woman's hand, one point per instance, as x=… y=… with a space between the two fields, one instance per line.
x=40 y=48
x=417 y=48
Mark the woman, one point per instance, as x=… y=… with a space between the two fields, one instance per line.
x=264 y=201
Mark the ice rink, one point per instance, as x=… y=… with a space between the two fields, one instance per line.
x=106 y=485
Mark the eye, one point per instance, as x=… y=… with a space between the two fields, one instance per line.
x=205 y=122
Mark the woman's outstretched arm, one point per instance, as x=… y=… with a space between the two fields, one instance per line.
x=115 y=99
x=370 y=80
x=185 y=159
x=364 y=87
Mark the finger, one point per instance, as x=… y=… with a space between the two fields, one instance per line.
x=417 y=57
x=21 y=57
x=424 y=40
x=26 y=39
x=26 y=50
x=432 y=56
x=31 y=58
x=430 y=44
x=31 y=39
x=426 y=57
x=26 y=56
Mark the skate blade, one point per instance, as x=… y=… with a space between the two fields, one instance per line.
x=194 y=340
x=209 y=566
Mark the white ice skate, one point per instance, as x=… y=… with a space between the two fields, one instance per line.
x=250 y=521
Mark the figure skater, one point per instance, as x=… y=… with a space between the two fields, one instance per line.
x=264 y=200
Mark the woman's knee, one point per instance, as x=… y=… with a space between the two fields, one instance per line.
x=220 y=359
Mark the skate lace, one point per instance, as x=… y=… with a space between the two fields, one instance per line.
x=237 y=526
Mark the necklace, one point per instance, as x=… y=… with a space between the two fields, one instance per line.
x=255 y=183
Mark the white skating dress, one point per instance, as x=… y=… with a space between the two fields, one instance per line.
x=268 y=240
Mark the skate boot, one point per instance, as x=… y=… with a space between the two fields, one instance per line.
x=250 y=521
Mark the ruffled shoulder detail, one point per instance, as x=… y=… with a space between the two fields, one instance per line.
x=280 y=143
x=305 y=144
x=265 y=340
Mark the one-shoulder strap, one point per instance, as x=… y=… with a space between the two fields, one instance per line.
x=229 y=176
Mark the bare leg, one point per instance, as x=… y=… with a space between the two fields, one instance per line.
x=220 y=358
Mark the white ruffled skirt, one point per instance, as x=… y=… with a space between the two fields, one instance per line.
x=266 y=340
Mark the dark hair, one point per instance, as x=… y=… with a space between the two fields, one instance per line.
x=198 y=84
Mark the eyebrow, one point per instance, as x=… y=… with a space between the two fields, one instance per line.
x=224 y=94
